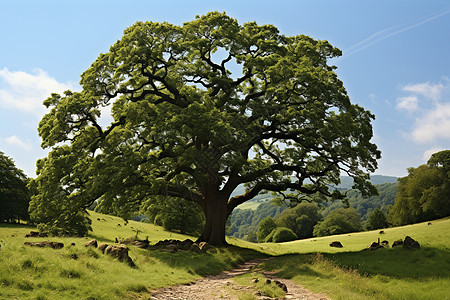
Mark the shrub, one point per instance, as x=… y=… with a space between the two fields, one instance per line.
x=338 y=221
x=266 y=226
x=281 y=234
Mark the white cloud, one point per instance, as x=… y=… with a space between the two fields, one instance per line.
x=433 y=125
x=428 y=90
x=408 y=103
x=429 y=103
x=16 y=141
x=427 y=154
x=26 y=91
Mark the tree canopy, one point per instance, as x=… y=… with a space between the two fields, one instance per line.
x=14 y=193
x=300 y=219
x=338 y=221
x=197 y=110
x=425 y=193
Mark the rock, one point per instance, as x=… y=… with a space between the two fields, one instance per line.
x=92 y=243
x=54 y=245
x=410 y=243
x=195 y=248
x=35 y=234
x=204 y=246
x=336 y=244
x=103 y=247
x=281 y=285
x=186 y=244
x=375 y=246
x=397 y=243
x=141 y=244
x=172 y=248
x=108 y=249
x=381 y=232
x=118 y=251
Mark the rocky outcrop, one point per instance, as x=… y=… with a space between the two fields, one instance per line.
x=91 y=243
x=36 y=234
x=186 y=245
x=54 y=245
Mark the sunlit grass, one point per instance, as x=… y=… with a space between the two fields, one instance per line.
x=79 y=272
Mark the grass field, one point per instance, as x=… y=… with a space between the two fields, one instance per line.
x=45 y=273
x=352 y=272
x=343 y=273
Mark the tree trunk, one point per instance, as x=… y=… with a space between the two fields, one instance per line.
x=216 y=216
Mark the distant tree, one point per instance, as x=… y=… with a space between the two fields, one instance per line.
x=198 y=110
x=338 y=221
x=425 y=193
x=265 y=227
x=300 y=219
x=174 y=215
x=14 y=193
x=376 y=220
x=280 y=235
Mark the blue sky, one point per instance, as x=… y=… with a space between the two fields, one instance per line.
x=395 y=63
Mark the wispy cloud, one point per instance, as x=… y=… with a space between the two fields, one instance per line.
x=16 y=141
x=427 y=89
x=26 y=91
x=389 y=32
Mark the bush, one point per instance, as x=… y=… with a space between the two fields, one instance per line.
x=376 y=220
x=266 y=226
x=300 y=219
x=281 y=234
x=338 y=221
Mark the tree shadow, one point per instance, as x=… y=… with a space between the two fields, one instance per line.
x=210 y=263
x=290 y=265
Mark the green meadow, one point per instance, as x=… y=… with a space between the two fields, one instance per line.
x=351 y=272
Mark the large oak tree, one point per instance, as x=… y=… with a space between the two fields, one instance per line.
x=197 y=110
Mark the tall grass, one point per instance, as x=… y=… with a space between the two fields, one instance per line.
x=77 y=272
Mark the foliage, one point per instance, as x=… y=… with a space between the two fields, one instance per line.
x=245 y=221
x=341 y=220
x=265 y=227
x=425 y=193
x=14 y=193
x=174 y=214
x=280 y=235
x=376 y=220
x=300 y=219
x=366 y=205
x=186 y=126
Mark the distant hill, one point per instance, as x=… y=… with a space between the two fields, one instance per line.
x=245 y=219
x=346 y=184
x=347 y=181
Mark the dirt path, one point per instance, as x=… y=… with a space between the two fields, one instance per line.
x=222 y=286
